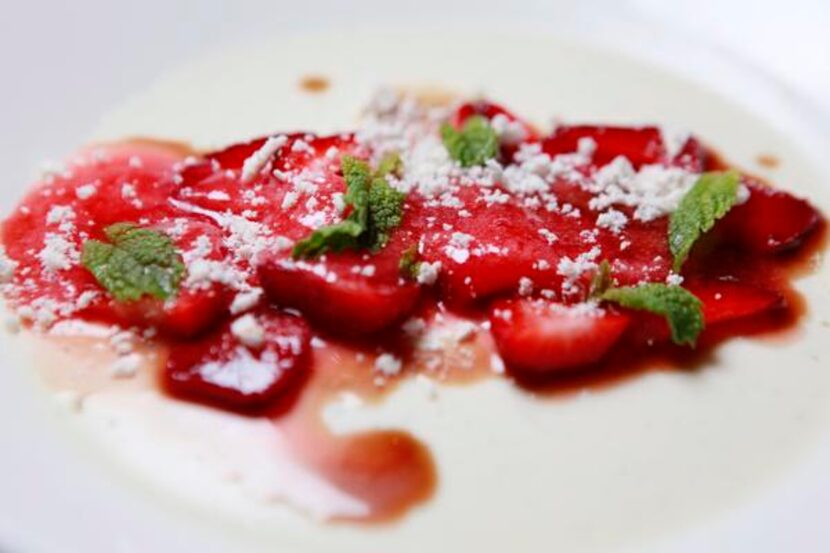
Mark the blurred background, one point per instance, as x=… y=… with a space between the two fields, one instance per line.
x=44 y=44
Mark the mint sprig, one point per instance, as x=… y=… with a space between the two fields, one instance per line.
x=376 y=208
x=681 y=309
x=711 y=197
x=135 y=262
x=474 y=144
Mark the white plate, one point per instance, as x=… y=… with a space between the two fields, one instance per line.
x=677 y=462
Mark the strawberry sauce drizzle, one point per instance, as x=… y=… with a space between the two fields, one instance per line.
x=741 y=274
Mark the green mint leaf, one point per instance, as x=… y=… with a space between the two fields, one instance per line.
x=358 y=179
x=346 y=233
x=336 y=237
x=376 y=208
x=135 y=262
x=385 y=212
x=682 y=310
x=474 y=144
x=410 y=262
x=712 y=196
x=390 y=164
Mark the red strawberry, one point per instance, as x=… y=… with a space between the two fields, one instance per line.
x=769 y=221
x=641 y=145
x=724 y=301
x=489 y=250
x=727 y=300
x=537 y=338
x=195 y=308
x=220 y=368
x=338 y=294
x=112 y=184
x=692 y=156
x=299 y=198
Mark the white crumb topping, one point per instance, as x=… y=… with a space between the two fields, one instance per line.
x=252 y=166
x=128 y=191
x=58 y=253
x=653 y=191
x=548 y=235
x=388 y=365
x=126 y=366
x=572 y=269
x=428 y=272
x=86 y=191
x=243 y=373
x=508 y=131
x=458 y=248
x=674 y=279
x=525 y=286
x=248 y=331
x=446 y=336
x=612 y=219
x=245 y=300
x=60 y=214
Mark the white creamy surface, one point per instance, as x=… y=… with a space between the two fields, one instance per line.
x=640 y=461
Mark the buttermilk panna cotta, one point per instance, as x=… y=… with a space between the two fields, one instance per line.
x=444 y=240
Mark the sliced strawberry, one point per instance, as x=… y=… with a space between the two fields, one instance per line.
x=692 y=156
x=641 y=145
x=339 y=293
x=237 y=372
x=727 y=300
x=494 y=246
x=537 y=338
x=294 y=192
x=724 y=301
x=106 y=185
x=197 y=306
x=769 y=221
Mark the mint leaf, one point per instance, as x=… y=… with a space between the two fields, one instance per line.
x=390 y=164
x=682 y=310
x=358 y=177
x=136 y=262
x=712 y=196
x=385 y=212
x=376 y=208
x=474 y=144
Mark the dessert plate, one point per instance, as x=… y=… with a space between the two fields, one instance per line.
x=645 y=463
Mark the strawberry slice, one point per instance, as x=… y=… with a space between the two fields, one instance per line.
x=112 y=184
x=347 y=293
x=728 y=300
x=243 y=364
x=537 y=338
x=295 y=191
x=769 y=221
x=692 y=156
x=724 y=301
x=641 y=145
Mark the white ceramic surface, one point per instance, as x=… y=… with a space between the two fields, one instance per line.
x=731 y=456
